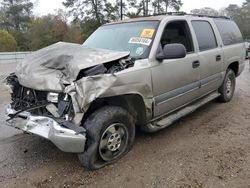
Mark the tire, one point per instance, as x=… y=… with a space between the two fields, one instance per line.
x=110 y=135
x=228 y=87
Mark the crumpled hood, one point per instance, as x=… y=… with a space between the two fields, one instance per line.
x=60 y=63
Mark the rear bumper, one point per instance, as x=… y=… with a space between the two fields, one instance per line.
x=64 y=138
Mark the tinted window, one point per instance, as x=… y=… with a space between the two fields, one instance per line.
x=177 y=32
x=229 y=31
x=205 y=35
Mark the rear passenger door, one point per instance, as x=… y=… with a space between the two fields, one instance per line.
x=210 y=56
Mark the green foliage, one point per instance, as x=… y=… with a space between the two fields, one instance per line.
x=40 y=33
x=99 y=10
x=15 y=17
x=18 y=14
x=74 y=33
x=152 y=7
x=4 y=23
x=163 y=6
x=7 y=42
x=50 y=29
x=34 y=33
x=95 y=13
x=22 y=39
x=104 y=11
x=206 y=11
x=240 y=14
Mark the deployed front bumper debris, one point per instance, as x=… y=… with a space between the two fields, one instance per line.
x=31 y=112
x=65 y=136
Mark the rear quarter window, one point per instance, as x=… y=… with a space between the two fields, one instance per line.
x=205 y=35
x=229 y=31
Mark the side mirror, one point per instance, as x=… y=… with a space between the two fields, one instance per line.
x=172 y=51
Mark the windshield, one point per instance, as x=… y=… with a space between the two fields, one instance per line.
x=135 y=37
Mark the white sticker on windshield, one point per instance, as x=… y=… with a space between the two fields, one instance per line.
x=139 y=40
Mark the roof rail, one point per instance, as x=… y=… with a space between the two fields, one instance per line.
x=198 y=15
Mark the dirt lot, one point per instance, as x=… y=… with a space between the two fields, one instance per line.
x=209 y=148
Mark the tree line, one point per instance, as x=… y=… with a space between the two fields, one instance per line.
x=26 y=32
x=32 y=33
x=240 y=14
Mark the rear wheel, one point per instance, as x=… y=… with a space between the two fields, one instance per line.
x=110 y=135
x=228 y=87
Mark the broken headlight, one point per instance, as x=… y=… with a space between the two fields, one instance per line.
x=52 y=97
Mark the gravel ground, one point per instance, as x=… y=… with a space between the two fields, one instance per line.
x=209 y=148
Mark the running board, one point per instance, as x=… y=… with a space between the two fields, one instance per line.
x=170 y=119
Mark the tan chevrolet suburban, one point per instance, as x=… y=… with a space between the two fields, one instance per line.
x=146 y=72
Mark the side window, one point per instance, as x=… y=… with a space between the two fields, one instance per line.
x=229 y=31
x=177 y=32
x=205 y=35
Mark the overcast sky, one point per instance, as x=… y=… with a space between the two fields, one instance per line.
x=43 y=7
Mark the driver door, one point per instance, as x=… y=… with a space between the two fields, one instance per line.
x=176 y=81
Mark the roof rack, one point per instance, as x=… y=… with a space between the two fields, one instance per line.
x=198 y=15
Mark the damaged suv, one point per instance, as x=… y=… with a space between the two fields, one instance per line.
x=146 y=72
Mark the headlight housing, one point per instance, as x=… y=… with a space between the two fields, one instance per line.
x=52 y=97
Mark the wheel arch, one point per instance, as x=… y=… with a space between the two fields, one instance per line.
x=235 y=67
x=133 y=103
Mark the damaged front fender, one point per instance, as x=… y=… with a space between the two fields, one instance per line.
x=88 y=89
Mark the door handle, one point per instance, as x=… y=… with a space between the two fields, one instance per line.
x=196 y=64
x=218 y=57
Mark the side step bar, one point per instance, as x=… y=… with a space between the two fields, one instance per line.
x=170 y=119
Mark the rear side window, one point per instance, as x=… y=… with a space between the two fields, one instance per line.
x=205 y=35
x=229 y=31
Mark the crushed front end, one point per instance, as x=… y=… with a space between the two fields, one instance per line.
x=53 y=88
x=45 y=114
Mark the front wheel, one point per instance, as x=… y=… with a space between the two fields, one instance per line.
x=228 y=87
x=110 y=135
